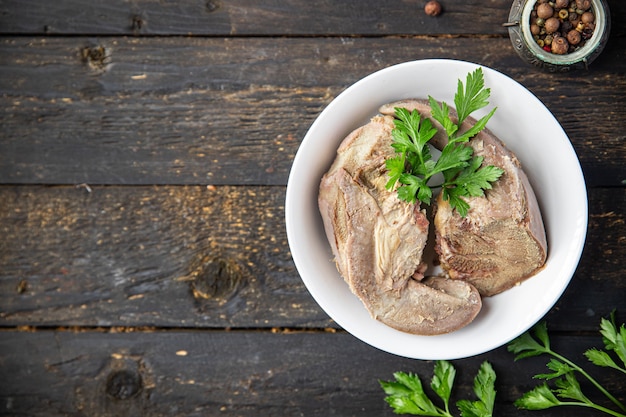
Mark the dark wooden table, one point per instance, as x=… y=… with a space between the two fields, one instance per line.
x=144 y=153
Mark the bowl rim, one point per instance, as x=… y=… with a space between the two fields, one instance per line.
x=294 y=204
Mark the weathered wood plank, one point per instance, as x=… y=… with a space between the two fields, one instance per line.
x=166 y=256
x=247 y=17
x=235 y=374
x=196 y=257
x=250 y=17
x=233 y=111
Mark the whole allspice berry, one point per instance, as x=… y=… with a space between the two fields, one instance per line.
x=587 y=17
x=583 y=4
x=433 y=8
x=573 y=37
x=545 y=11
x=560 y=4
x=552 y=25
x=535 y=29
x=559 y=45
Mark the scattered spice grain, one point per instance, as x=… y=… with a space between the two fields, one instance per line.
x=433 y=8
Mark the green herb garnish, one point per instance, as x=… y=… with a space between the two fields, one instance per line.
x=413 y=165
x=406 y=394
x=567 y=390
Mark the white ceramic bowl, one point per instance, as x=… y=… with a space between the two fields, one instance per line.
x=525 y=125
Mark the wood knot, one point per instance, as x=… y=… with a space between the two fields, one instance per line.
x=216 y=279
x=213 y=5
x=22 y=286
x=137 y=23
x=96 y=57
x=123 y=384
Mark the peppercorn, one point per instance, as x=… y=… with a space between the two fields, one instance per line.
x=559 y=46
x=587 y=17
x=545 y=11
x=552 y=25
x=566 y=26
x=573 y=37
x=535 y=29
x=551 y=22
x=432 y=8
x=583 y=4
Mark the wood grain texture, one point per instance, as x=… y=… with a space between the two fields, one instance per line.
x=195 y=373
x=247 y=17
x=267 y=17
x=145 y=147
x=233 y=111
x=149 y=256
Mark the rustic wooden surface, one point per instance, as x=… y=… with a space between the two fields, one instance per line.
x=144 y=152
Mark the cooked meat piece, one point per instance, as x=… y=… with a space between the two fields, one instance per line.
x=502 y=240
x=378 y=240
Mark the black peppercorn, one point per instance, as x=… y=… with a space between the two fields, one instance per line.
x=566 y=26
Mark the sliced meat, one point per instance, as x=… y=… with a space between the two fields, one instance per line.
x=502 y=240
x=378 y=240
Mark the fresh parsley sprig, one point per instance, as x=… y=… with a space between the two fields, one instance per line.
x=406 y=394
x=567 y=390
x=413 y=165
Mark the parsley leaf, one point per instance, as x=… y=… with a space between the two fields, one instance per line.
x=539 y=398
x=441 y=113
x=614 y=338
x=414 y=186
x=473 y=97
x=602 y=358
x=470 y=181
x=558 y=367
x=526 y=346
x=567 y=390
x=413 y=166
x=484 y=388
x=442 y=381
x=406 y=394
